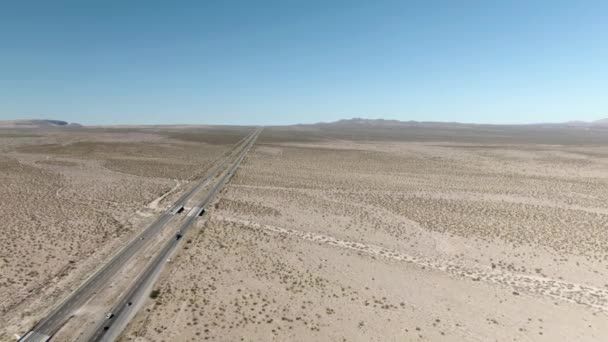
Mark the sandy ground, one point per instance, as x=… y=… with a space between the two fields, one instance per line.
x=69 y=199
x=341 y=240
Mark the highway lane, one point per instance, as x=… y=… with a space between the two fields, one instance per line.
x=181 y=202
x=53 y=322
x=48 y=326
x=126 y=307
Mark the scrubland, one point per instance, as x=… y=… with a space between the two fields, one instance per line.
x=448 y=236
x=70 y=198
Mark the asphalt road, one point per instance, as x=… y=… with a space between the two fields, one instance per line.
x=48 y=326
x=126 y=307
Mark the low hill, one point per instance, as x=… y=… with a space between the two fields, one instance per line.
x=37 y=123
x=383 y=123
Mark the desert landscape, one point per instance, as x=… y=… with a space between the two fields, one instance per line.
x=350 y=231
x=71 y=197
x=307 y=171
x=343 y=232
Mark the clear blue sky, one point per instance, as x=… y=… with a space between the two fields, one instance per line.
x=278 y=62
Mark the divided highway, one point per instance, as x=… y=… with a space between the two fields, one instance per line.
x=47 y=327
x=129 y=303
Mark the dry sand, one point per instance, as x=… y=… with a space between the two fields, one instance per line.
x=69 y=199
x=385 y=240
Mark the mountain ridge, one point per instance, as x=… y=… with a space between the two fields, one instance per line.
x=362 y=122
x=352 y=122
x=38 y=123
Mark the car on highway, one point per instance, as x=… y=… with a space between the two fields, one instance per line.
x=109 y=315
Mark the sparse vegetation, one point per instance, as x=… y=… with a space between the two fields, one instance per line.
x=319 y=239
x=322 y=239
x=70 y=199
x=154 y=294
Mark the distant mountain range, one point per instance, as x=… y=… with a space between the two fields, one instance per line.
x=382 y=123
x=597 y=123
x=346 y=123
x=37 y=123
